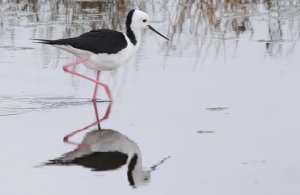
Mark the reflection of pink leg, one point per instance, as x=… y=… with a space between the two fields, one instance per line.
x=83 y=60
x=83 y=146
x=86 y=146
x=96 y=87
x=107 y=112
x=96 y=113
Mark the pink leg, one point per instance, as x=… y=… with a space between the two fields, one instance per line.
x=106 y=90
x=83 y=60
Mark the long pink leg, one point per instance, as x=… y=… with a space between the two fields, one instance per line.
x=83 y=60
x=107 y=90
x=67 y=137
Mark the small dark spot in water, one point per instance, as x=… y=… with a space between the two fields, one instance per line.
x=254 y=162
x=205 y=131
x=217 y=108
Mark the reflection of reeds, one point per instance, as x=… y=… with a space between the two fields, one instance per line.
x=211 y=23
x=283 y=26
x=208 y=25
x=95 y=14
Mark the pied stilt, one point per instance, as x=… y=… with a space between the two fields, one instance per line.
x=105 y=49
x=109 y=150
x=106 y=149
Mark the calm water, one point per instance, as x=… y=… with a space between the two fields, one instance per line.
x=212 y=111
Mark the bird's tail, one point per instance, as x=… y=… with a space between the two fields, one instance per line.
x=65 y=159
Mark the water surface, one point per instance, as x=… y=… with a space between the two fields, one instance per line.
x=215 y=108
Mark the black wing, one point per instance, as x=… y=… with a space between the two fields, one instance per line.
x=96 y=41
x=97 y=161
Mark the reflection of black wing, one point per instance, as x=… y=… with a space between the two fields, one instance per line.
x=96 y=41
x=97 y=161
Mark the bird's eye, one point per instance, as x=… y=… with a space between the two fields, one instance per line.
x=144 y=20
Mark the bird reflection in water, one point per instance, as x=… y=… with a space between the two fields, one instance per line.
x=107 y=149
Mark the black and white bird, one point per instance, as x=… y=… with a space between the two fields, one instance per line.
x=108 y=150
x=105 y=49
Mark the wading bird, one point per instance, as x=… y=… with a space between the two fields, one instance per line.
x=106 y=149
x=105 y=49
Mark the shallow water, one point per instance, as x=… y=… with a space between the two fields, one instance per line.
x=215 y=108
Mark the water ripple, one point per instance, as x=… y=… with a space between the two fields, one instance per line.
x=19 y=105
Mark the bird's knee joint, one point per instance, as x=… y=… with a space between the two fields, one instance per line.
x=65 y=69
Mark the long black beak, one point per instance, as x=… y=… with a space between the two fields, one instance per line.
x=151 y=28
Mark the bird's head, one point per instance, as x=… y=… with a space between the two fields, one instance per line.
x=138 y=20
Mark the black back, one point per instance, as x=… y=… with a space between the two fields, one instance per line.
x=99 y=41
x=96 y=41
